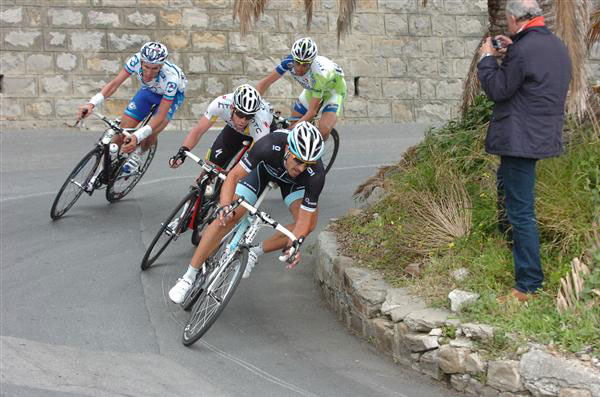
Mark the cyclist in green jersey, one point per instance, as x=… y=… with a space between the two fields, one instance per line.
x=322 y=80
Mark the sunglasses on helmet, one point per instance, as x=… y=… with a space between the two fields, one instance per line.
x=243 y=115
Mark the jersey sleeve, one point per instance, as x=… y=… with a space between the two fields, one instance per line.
x=286 y=65
x=170 y=90
x=212 y=111
x=313 y=188
x=260 y=125
x=133 y=64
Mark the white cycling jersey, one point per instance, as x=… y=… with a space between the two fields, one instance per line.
x=223 y=106
x=169 y=80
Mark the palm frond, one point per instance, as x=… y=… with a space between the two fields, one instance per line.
x=571 y=286
x=593 y=33
x=247 y=10
x=308 y=8
x=344 y=22
x=472 y=85
x=571 y=25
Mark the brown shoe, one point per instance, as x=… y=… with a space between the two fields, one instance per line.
x=514 y=294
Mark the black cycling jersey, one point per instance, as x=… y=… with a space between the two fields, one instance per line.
x=269 y=153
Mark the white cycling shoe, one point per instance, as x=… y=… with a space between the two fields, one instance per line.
x=179 y=291
x=252 y=261
x=132 y=164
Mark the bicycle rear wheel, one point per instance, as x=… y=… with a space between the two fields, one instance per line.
x=118 y=185
x=219 y=288
x=175 y=225
x=332 y=145
x=73 y=187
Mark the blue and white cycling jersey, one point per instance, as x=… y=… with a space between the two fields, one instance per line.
x=167 y=83
x=324 y=77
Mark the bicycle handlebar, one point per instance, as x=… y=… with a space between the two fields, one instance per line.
x=112 y=124
x=253 y=211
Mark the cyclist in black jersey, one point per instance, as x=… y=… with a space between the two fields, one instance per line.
x=292 y=160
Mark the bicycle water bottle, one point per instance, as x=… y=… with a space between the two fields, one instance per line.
x=113 y=149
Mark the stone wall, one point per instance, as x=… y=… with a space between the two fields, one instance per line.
x=403 y=62
x=436 y=343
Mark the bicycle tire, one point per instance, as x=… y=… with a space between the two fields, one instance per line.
x=332 y=145
x=149 y=258
x=57 y=211
x=119 y=186
x=201 y=319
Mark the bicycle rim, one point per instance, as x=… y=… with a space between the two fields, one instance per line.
x=119 y=186
x=72 y=188
x=170 y=229
x=220 y=286
x=332 y=145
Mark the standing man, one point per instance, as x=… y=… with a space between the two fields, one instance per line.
x=529 y=90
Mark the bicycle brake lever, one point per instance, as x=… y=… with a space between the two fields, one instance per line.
x=289 y=258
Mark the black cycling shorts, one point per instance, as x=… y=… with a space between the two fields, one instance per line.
x=227 y=144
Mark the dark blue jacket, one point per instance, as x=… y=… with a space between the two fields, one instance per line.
x=529 y=90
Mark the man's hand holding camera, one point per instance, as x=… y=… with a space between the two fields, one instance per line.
x=495 y=46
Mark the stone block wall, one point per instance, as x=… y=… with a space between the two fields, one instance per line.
x=435 y=342
x=402 y=61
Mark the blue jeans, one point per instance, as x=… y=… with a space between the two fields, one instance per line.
x=516 y=203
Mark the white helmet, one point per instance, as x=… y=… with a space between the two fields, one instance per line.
x=305 y=142
x=246 y=99
x=304 y=50
x=154 y=52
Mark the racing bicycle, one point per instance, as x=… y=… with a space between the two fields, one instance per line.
x=117 y=182
x=193 y=213
x=222 y=271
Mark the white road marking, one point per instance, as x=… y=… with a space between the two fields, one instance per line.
x=159 y=180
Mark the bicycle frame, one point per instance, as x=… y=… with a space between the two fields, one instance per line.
x=260 y=216
x=109 y=133
x=207 y=179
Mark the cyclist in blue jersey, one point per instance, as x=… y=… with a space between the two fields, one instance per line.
x=322 y=80
x=163 y=84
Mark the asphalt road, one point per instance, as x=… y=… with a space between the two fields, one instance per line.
x=80 y=318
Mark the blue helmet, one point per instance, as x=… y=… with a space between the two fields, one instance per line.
x=154 y=52
x=306 y=142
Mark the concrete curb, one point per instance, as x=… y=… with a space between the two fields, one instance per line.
x=401 y=326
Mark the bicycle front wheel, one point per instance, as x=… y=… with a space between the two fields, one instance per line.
x=119 y=185
x=332 y=145
x=175 y=225
x=74 y=186
x=219 y=288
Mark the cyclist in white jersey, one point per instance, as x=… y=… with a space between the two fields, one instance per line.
x=247 y=118
x=322 y=80
x=163 y=84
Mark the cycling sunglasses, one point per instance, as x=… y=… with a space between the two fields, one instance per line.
x=302 y=62
x=301 y=162
x=243 y=115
